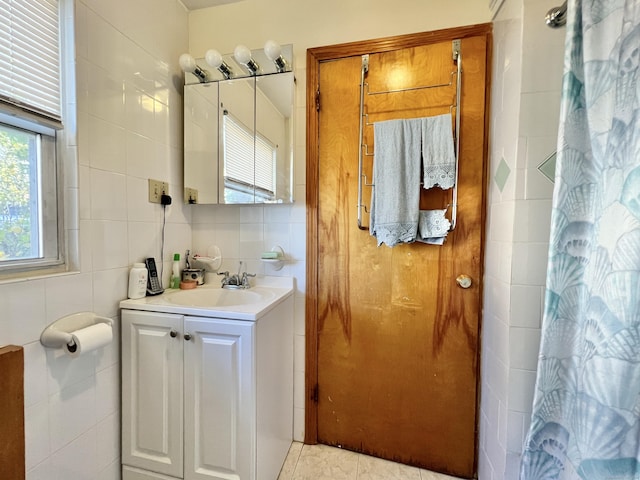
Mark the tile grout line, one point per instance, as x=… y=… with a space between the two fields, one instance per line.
x=293 y=470
x=295 y=465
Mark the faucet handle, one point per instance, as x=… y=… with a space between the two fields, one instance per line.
x=245 y=278
x=225 y=281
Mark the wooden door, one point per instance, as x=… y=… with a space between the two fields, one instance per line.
x=152 y=392
x=12 y=463
x=396 y=339
x=220 y=401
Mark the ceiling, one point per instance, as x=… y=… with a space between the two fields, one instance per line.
x=197 y=4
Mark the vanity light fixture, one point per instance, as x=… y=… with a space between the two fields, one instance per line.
x=188 y=64
x=243 y=56
x=214 y=59
x=273 y=51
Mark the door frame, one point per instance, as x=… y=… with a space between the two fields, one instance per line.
x=314 y=57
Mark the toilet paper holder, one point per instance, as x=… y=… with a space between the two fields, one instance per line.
x=58 y=333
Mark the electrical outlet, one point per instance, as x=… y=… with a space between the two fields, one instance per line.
x=190 y=195
x=156 y=189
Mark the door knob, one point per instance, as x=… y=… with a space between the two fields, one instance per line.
x=464 y=281
x=187 y=336
x=173 y=334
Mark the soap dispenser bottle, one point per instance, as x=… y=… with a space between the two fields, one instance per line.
x=175 y=271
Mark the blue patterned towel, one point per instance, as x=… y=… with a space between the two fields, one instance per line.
x=433 y=226
x=395 y=199
x=438 y=155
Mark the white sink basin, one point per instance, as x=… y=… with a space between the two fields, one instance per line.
x=213 y=301
x=217 y=297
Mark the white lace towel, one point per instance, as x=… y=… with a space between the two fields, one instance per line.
x=395 y=199
x=433 y=226
x=438 y=155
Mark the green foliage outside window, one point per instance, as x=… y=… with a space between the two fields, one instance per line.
x=15 y=215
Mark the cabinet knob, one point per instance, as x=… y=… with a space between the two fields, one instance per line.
x=173 y=334
x=187 y=336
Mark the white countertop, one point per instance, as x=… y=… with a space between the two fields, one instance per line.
x=268 y=291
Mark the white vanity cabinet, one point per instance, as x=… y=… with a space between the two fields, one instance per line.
x=206 y=398
x=152 y=397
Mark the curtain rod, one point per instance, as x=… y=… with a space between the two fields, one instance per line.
x=557 y=16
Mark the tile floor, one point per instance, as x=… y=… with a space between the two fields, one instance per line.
x=320 y=462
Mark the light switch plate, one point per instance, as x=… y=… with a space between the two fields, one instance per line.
x=156 y=189
x=190 y=195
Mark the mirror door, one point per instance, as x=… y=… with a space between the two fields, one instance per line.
x=237 y=141
x=201 y=140
x=274 y=138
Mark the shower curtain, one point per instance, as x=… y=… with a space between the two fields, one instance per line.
x=586 y=411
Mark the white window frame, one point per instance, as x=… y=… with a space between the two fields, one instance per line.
x=58 y=161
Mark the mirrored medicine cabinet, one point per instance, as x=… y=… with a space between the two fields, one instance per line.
x=238 y=132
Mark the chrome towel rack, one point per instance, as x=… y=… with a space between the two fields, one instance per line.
x=363 y=149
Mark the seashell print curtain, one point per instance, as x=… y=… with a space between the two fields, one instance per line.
x=586 y=411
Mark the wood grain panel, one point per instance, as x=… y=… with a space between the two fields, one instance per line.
x=388 y=334
x=12 y=461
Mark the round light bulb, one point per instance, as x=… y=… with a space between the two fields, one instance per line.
x=187 y=63
x=272 y=50
x=242 y=54
x=213 y=58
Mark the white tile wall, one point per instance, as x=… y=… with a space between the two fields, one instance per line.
x=518 y=218
x=523 y=345
x=499 y=244
x=23 y=311
x=76 y=459
x=35 y=375
x=532 y=222
x=72 y=412
x=521 y=387
x=128 y=122
x=530 y=263
x=37 y=433
x=528 y=301
x=539 y=105
x=108 y=442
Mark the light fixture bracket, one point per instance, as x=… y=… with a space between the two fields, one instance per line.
x=281 y=64
x=230 y=68
x=225 y=70
x=201 y=74
x=253 y=66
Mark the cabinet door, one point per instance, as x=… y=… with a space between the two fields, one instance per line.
x=152 y=348
x=132 y=473
x=220 y=400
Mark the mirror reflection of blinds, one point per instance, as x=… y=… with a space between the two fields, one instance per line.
x=241 y=170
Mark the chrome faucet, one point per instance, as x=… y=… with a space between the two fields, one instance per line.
x=245 y=279
x=226 y=279
x=237 y=280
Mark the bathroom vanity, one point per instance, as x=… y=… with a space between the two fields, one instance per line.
x=207 y=383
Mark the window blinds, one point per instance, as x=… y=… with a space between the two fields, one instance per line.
x=30 y=57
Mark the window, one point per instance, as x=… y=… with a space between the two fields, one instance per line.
x=249 y=164
x=30 y=123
